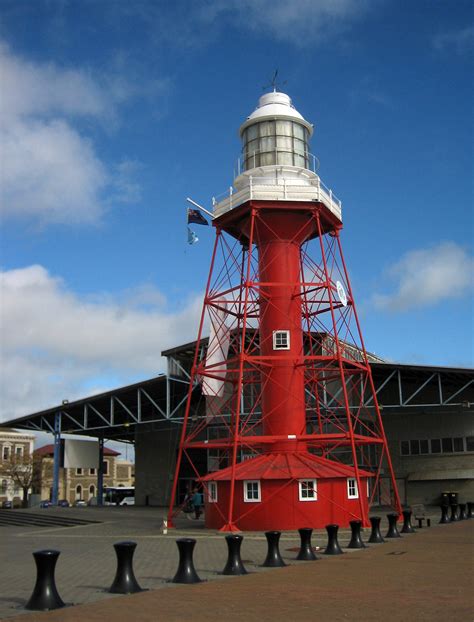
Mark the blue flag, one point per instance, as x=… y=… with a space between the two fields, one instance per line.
x=192 y=237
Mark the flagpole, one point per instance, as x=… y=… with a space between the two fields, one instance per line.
x=200 y=207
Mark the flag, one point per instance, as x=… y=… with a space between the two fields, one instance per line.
x=192 y=237
x=195 y=216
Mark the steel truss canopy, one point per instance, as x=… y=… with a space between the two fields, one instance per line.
x=115 y=414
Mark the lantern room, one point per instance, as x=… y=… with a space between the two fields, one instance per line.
x=275 y=133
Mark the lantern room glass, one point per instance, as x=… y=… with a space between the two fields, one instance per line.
x=275 y=142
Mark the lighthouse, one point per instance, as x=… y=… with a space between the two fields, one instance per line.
x=290 y=423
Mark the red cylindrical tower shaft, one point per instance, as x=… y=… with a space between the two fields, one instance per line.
x=279 y=236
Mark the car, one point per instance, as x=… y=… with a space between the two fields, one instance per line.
x=7 y=505
x=44 y=504
x=63 y=503
x=80 y=503
x=127 y=501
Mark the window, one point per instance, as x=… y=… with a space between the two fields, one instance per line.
x=6 y=452
x=212 y=492
x=252 y=491
x=105 y=467
x=469 y=443
x=447 y=445
x=78 y=492
x=281 y=339
x=458 y=444
x=91 y=490
x=4 y=486
x=78 y=471
x=308 y=490
x=416 y=447
x=92 y=471
x=424 y=447
x=352 y=492
x=18 y=451
x=275 y=142
x=435 y=446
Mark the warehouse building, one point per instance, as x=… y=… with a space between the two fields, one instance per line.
x=427 y=411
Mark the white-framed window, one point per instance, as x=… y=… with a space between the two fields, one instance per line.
x=19 y=451
x=308 y=490
x=352 y=492
x=78 y=471
x=4 y=487
x=78 y=492
x=92 y=472
x=6 y=452
x=212 y=492
x=91 y=491
x=281 y=339
x=252 y=491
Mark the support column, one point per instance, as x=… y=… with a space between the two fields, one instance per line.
x=56 y=457
x=100 y=473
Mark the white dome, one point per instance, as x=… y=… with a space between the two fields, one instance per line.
x=275 y=105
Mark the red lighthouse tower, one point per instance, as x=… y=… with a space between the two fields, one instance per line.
x=291 y=424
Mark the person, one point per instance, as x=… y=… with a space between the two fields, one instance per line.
x=197 y=503
x=188 y=502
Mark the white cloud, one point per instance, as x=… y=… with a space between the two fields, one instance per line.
x=301 y=22
x=461 y=41
x=51 y=172
x=428 y=276
x=54 y=343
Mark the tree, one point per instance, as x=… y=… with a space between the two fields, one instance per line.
x=22 y=471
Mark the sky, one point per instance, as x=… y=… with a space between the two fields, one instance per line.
x=113 y=112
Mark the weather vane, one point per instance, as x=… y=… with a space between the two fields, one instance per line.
x=273 y=83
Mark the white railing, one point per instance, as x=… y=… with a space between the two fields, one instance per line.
x=279 y=188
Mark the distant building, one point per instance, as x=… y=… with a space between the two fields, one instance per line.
x=12 y=444
x=80 y=483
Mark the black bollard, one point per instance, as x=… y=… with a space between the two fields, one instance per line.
x=462 y=511
x=306 y=552
x=45 y=595
x=392 y=526
x=407 y=526
x=375 y=536
x=125 y=581
x=356 y=540
x=470 y=507
x=454 y=512
x=186 y=572
x=234 y=563
x=444 y=514
x=333 y=547
x=273 y=558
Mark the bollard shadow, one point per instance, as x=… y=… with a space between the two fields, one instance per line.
x=16 y=602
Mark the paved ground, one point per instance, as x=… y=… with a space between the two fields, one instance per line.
x=425 y=576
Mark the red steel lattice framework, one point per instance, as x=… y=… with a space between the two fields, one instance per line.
x=279 y=265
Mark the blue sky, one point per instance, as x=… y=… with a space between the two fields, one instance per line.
x=113 y=112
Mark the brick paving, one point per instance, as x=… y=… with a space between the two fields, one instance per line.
x=423 y=573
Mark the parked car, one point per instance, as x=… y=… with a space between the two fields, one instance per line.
x=45 y=504
x=63 y=503
x=127 y=501
x=80 y=503
x=7 y=505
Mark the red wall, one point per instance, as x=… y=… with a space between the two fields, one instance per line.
x=286 y=511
